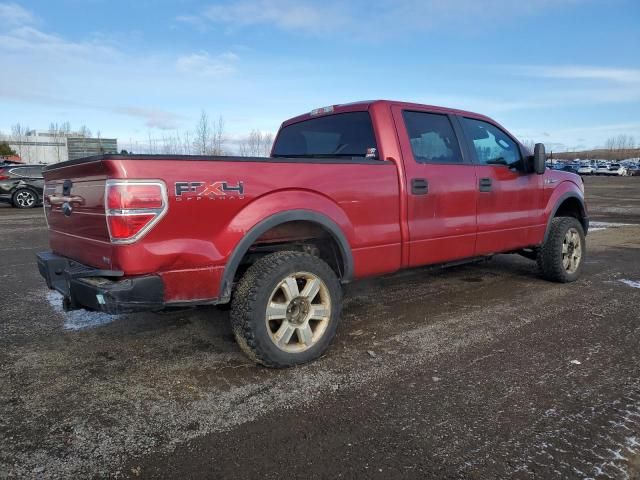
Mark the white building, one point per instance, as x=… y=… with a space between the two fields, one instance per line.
x=44 y=147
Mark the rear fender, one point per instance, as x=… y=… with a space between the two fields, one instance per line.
x=275 y=209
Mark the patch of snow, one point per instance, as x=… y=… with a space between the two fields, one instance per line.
x=78 y=319
x=598 y=226
x=631 y=283
x=576 y=362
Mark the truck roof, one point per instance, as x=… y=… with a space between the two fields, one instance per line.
x=367 y=104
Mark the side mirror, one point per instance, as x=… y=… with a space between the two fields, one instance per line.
x=539 y=158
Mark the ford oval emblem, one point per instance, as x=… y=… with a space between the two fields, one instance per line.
x=67 y=209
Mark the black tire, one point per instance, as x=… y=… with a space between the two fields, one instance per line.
x=254 y=292
x=550 y=254
x=24 y=198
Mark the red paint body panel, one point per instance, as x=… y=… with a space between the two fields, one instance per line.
x=386 y=227
x=510 y=214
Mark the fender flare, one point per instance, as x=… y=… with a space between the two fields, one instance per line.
x=584 y=219
x=272 y=221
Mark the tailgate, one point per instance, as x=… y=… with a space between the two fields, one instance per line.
x=74 y=209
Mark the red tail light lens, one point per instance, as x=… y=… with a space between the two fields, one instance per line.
x=3 y=175
x=124 y=227
x=134 y=196
x=133 y=208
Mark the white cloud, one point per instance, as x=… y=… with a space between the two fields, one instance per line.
x=89 y=78
x=202 y=63
x=26 y=39
x=581 y=72
x=285 y=14
x=366 y=18
x=14 y=14
x=578 y=138
x=154 y=118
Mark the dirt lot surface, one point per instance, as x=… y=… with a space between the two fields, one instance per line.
x=480 y=371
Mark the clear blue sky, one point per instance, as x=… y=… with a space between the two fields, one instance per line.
x=565 y=72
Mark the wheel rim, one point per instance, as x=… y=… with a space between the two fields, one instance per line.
x=298 y=312
x=571 y=250
x=25 y=199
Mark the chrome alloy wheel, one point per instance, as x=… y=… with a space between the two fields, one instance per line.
x=25 y=198
x=571 y=250
x=298 y=312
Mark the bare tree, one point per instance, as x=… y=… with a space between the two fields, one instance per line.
x=186 y=143
x=152 y=144
x=218 y=138
x=209 y=138
x=256 y=144
x=530 y=144
x=621 y=146
x=18 y=132
x=84 y=131
x=59 y=132
x=202 y=134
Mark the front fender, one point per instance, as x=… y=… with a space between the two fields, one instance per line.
x=561 y=193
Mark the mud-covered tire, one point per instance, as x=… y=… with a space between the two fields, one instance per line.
x=24 y=198
x=255 y=292
x=552 y=255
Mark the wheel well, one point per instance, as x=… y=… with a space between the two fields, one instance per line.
x=572 y=207
x=24 y=187
x=297 y=235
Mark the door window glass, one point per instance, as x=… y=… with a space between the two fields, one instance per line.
x=492 y=145
x=432 y=138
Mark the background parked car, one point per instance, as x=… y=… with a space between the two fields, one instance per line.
x=617 y=169
x=22 y=185
x=586 y=170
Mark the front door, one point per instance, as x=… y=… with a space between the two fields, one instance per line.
x=441 y=187
x=509 y=197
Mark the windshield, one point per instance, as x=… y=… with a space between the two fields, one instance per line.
x=340 y=135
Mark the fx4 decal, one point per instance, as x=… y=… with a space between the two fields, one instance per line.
x=220 y=190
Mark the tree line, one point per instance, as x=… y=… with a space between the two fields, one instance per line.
x=209 y=137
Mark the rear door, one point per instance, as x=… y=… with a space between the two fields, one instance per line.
x=441 y=186
x=509 y=198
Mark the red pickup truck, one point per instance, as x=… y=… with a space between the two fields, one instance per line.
x=349 y=191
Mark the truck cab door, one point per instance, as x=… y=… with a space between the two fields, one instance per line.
x=510 y=214
x=441 y=186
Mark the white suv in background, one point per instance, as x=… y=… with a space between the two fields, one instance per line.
x=586 y=170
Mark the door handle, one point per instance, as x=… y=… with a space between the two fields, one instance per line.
x=485 y=184
x=419 y=186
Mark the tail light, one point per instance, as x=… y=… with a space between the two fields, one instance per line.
x=3 y=175
x=133 y=207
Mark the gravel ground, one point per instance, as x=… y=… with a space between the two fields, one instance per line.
x=480 y=371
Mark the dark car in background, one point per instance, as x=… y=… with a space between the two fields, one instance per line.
x=21 y=185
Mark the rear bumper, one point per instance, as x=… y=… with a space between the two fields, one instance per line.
x=100 y=290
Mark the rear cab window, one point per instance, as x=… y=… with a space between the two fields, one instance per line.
x=432 y=138
x=348 y=135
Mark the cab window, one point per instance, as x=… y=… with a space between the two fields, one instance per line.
x=432 y=138
x=340 y=135
x=492 y=146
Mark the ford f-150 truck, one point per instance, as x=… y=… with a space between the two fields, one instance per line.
x=349 y=191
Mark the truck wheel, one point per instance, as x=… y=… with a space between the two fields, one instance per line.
x=24 y=198
x=286 y=309
x=562 y=256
